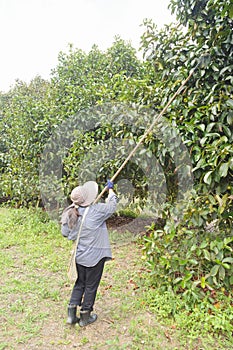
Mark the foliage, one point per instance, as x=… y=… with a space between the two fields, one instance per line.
x=23 y=132
x=212 y=315
x=185 y=255
x=188 y=259
x=30 y=114
x=203 y=113
x=82 y=80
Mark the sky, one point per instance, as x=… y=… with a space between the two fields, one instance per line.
x=33 y=32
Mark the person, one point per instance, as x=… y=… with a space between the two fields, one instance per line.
x=93 y=248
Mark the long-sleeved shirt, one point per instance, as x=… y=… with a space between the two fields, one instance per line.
x=94 y=242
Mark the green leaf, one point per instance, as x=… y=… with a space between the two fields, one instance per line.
x=228 y=260
x=208 y=178
x=142 y=151
x=200 y=164
x=223 y=170
x=221 y=273
x=230 y=103
x=215 y=68
x=211 y=199
x=188 y=276
x=227 y=240
x=203 y=282
x=214 y=270
x=183 y=262
x=201 y=127
x=228 y=68
x=210 y=126
x=203 y=244
x=231 y=11
x=194 y=247
x=193 y=262
x=203 y=140
x=177 y=280
x=230 y=119
x=227 y=131
x=226 y=266
x=231 y=164
x=206 y=254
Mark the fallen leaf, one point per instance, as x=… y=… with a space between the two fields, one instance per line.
x=167 y=336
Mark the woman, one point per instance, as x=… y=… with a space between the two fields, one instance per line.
x=93 y=246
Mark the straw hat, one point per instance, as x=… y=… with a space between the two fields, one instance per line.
x=84 y=195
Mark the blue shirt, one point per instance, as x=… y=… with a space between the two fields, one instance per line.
x=94 y=242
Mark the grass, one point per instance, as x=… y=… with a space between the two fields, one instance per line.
x=34 y=294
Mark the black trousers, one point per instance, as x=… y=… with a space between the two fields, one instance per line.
x=85 y=287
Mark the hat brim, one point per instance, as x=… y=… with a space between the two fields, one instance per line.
x=92 y=191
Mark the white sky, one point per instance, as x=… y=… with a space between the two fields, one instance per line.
x=34 y=31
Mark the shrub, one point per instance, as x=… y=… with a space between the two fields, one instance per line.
x=188 y=259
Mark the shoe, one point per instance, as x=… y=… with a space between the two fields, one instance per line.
x=72 y=318
x=86 y=318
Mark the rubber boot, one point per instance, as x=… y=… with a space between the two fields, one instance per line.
x=72 y=318
x=86 y=318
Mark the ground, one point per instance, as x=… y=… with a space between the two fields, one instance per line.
x=35 y=292
x=136 y=226
x=121 y=323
